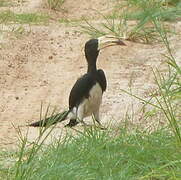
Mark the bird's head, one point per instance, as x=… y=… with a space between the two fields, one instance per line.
x=93 y=46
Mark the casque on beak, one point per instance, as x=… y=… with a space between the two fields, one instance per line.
x=106 y=41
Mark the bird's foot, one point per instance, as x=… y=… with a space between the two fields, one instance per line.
x=102 y=128
x=71 y=123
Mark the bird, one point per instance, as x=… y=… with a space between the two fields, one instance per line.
x=86 y=94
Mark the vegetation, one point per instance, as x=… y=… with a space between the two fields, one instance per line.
x=169 y=88
x=4 y=3
x=144 y=12
x=94 y=154
x=24 y=18
x=128 y=153
x=54 y=4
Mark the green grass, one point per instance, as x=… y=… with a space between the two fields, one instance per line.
x=24 y=18
x=73 y=22
x=54 y=4
x=142 y=12
x=7 y=160
x=5 y=3
x=146 y=10
x=168 y=96
x=94 y=154
x=2 y=3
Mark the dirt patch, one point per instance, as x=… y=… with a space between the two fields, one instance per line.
x=43 y=65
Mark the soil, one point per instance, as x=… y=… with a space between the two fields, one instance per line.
x=42 y=65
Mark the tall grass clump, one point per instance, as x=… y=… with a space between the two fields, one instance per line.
x=142 y=13
x=169 y=86
x=29 y=152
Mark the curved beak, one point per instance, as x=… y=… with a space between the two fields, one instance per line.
x=106 y=41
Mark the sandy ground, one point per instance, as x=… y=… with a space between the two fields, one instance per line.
x=43 y=65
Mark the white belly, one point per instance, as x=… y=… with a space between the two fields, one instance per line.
x=92 y=104
x=89 y=105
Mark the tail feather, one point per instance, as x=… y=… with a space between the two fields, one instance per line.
x=51 y=120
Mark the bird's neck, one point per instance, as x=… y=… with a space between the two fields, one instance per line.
x=92 y=67
x=91 y=60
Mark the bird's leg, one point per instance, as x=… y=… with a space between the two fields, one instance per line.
x=73 y=118
x=97 y=119
x=72 y=122
x=80 y=115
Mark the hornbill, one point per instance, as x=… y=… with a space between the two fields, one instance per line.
x=86 y=95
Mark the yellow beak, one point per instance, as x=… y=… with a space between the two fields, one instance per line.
x=106 y=41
